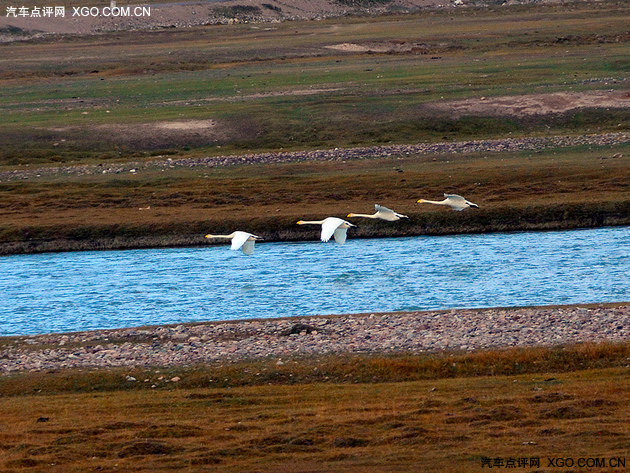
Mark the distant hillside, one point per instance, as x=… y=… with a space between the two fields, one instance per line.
x=95 y=16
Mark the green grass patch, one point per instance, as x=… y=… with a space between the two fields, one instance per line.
x=272 y=89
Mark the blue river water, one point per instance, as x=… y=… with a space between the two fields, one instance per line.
x=62 y=292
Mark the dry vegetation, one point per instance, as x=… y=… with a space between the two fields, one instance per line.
x=438 y=413
x=517 y=191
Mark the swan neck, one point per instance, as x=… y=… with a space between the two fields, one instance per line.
x=315 y=222
x=231 y=235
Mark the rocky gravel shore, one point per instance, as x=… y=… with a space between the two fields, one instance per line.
x=336 y=154
x=410 y=332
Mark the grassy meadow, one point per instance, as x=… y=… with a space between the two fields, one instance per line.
x=281 y=86
x=440 y=412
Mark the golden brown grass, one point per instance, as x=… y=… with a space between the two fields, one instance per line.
x=444 y=424
x=332 y=368
x=516 y=191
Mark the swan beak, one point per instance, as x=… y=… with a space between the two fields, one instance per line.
x=208 y=236
x=419 y=201
x=349 y=215
x=474 y=205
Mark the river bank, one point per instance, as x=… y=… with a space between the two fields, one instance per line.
x=520 y=184
x=568 y=217
x=411 y=332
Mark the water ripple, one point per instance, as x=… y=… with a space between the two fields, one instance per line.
x=90 y=290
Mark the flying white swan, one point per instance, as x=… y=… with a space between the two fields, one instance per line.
x=331 y=226
x=456 y=202
x=240 y=241
x=382 y=213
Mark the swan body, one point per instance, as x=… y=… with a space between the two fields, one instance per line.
x=240 y=241
x=331 y=227
x=454 y=201
x=382 y=213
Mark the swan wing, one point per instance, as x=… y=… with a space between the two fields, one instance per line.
x=239 y=239
x=340 y=235
x=329 y=226
x=248 y=247
x=454 y=198
x=380 y=208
